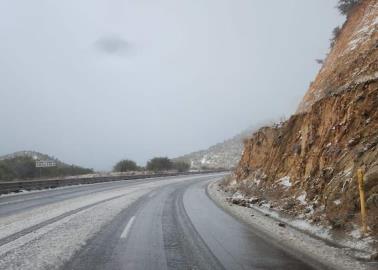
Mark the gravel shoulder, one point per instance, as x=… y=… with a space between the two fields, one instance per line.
x=315 y=251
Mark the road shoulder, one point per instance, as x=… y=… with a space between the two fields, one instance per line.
x=314 y=251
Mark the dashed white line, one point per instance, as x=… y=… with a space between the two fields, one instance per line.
x=127 y=228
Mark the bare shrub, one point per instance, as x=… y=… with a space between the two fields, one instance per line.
x=346 y=6
x=335 y=34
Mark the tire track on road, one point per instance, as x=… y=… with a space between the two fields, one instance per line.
x=36 y=227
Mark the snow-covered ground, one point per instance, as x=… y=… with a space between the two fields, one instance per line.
x=299 y=236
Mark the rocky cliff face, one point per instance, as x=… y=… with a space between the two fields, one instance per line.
x=307 y=165
x=353 y=58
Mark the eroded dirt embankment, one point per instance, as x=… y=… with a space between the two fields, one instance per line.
x=307 y=165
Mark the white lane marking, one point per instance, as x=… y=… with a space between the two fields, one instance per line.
x=127 y=228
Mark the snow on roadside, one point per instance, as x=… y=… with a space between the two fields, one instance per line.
x=24 y=191
x=300 y=224
x=296 y=236
x=20 y=221
x=356 y=242
x=51 y=246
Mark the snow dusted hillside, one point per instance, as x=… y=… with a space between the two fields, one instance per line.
x=34 y=155
x=222 y=155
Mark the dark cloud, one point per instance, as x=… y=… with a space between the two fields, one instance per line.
x=112 y=45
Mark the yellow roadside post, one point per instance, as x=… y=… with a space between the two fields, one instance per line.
x=361 y=187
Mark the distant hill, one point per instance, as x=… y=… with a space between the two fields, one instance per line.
x=222 y=155
x=34 y=155
x=21 y=165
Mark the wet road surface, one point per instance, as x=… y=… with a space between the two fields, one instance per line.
x=143 y=224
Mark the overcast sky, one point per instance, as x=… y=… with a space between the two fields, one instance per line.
x=95 y=81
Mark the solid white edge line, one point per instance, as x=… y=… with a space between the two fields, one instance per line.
x=127 y=228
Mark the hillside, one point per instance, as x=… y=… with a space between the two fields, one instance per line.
x=307 y=166
x=21 y=165
x=352 y=60
x=34 y=155
x=222 y=155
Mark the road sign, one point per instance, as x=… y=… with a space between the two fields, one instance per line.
x=45 y=163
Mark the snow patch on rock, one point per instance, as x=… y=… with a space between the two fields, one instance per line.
x=302 y=197
x=285 y=181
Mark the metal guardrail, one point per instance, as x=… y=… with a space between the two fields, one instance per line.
x=8 y=187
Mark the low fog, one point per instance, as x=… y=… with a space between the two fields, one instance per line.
x=91 y=82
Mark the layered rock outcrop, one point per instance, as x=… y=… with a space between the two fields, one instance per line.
x=353 y=58
x=307 y=165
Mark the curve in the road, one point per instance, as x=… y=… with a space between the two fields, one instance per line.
x=179 y=227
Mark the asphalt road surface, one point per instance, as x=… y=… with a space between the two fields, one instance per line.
x=165 y=223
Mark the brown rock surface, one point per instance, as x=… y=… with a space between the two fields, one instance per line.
x=353 y=58
x=312 y=158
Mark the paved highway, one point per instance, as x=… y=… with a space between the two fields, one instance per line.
x=165 y=223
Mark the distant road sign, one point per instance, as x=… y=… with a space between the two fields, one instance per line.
x=45 y=163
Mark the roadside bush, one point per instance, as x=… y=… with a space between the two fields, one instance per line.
x=319 y=61
x=159 y=164
x=181 y=166
x=205 y=168
x=125 y=166
x=345 y=6
x=17 y=168
x=226 y=181
x=335 y=34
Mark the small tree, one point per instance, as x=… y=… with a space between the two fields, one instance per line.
x=159 y=164
x=125 y=166
x=205 y=168
x=335 y=34
x=319 y=61
x=345 y=6
x=181 y=166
